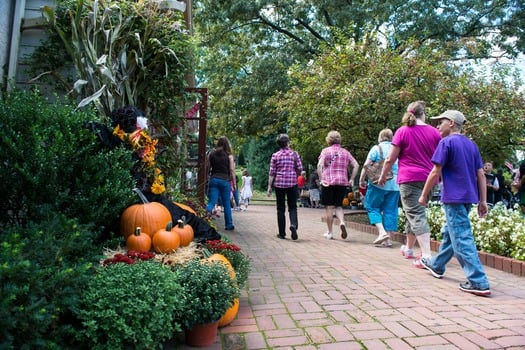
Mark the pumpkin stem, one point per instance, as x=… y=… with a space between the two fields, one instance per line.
x=169 y=226
x=137 y=231
x=180 y=223
x=141 y=196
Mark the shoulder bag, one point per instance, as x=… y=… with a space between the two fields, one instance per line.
x=373 y=170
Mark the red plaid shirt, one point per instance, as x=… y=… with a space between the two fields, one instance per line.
x=285 y=166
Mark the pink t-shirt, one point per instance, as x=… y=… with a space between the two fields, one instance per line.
x=416 y=147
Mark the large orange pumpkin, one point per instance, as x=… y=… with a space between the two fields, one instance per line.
x=165 y=240
x=185 y=233
x=149 y=216
x=230 y=314
x=138 y=241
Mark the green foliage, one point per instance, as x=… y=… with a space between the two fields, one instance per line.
x=501 y=232
x=208 y=291
x=130 y=306
x=258 y=155
x=370 y=89
x=43 y=269
x=53 y=162
x=122 y=51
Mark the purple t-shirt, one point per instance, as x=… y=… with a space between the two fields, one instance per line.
x=460 y=159
x=416 y=146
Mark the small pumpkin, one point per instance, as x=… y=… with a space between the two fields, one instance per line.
x=150 y=216
x=185 y=232
x=350 y=195
x=230 y=314
x=165 y=240
x=221 y=258
x=346 y=202
x=138 y=241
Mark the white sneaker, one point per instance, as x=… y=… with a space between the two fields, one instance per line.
x=328 y=235
x=381 y=238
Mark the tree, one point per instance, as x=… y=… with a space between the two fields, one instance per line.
x=250 y=45
x=360 y=92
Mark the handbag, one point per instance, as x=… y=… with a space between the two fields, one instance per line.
x=373 y=170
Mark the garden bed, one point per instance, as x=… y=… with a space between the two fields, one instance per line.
x=359 y=221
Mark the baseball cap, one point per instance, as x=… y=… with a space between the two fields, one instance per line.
x=451 y=114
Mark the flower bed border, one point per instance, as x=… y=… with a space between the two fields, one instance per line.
x=516 y=267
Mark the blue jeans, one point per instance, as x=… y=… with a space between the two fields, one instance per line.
x=458 y=240
x=381 y=206
x=285 y=196
x=219 y=188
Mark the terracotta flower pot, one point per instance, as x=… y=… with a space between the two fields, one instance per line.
x=201 y=335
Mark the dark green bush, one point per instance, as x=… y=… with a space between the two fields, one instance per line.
x=130 y=306
x=43 y=269
x=51 y=161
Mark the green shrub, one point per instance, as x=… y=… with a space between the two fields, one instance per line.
x=43 y=269
x=130 y=306
x=51 y=161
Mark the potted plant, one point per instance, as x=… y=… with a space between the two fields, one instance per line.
x=208 y=291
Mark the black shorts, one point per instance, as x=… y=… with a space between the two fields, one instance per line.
x=333 y=195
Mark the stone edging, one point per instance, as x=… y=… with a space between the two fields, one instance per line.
x=516 y=267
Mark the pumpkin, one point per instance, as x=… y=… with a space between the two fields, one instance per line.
x=350 y=195
x=221 y=258
x=138 y=241
x=165 y=240
x=346 y=202
x=186 y=207
x=150 y=216
x=230 y=314
x=185 y=233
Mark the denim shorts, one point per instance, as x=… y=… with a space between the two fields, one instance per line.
x=415 y=213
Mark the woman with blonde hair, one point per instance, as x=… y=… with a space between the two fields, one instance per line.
x=413 y=145
x=381 y=201
x=332 y=168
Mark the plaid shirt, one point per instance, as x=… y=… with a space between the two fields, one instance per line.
x=285 y=166
x=334 y=162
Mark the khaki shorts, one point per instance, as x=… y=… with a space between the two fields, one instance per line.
x=415 y=213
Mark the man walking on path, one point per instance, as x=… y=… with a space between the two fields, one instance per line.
x=458 y=163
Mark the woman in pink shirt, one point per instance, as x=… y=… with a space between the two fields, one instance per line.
x=413 y=146
x=332 y=168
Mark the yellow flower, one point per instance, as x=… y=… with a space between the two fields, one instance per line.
x=119 y=132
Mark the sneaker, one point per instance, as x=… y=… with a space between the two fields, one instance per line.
x=344 y=234
x=294 y=232
x=280 y=236
x=407 y=253
x=328 y=235
x=469 y=288
x=427 y=265
x=417 y=263
x=387 y=243
x=381 y=238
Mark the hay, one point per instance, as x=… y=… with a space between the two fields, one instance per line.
x=178 y=257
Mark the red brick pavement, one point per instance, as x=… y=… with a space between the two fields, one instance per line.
x=348 y=294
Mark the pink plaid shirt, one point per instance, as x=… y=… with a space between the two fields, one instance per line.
x=334 y=161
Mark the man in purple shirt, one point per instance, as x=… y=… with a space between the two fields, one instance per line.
x=285 y=167
x=458 y=162
x=332 y=168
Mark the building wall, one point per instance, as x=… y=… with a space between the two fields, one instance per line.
x=6 y=19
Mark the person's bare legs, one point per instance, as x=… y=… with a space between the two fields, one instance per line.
x=330 y=217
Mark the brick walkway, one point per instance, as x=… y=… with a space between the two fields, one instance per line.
x=319 y=294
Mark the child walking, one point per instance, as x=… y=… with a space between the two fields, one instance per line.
x=246 y=190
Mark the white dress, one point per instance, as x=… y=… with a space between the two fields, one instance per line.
x=246 y=189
